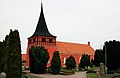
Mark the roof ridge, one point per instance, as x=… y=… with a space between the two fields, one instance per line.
x=71 y=43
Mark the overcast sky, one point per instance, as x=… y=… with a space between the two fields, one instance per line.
x=77 y=21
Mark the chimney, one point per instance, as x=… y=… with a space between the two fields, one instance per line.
x=89 y=43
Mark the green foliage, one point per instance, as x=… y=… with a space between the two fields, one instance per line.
x=38 y=59
x=85 y=61
x=92 y=75
x=55 y=63
x=23 y=61
x=11 y=55
x=65 y=71
x=2 y=54
x=70 y=62
x=98 y=57
x=13 y=48
x=113 y=54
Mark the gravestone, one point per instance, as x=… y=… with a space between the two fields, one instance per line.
x=77 y=68
x=3 y=75
x=102 y=70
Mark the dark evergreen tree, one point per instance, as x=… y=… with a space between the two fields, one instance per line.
x=98 y=57
x=2 y=54
x=85 y=61
x=38 y=59
x=55 y=63
x=13 y=56
x=112 y=49
x=70 y=62
x=31 y=57
x=1 y=45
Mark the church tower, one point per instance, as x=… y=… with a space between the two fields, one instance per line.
x=41 y=36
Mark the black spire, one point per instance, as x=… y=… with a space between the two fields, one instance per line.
x=41 y=29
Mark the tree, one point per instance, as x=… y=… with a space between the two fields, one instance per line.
x=112 y=49
x=98 y=57
x=1 y=45
x=2 y=54
x=70 y=62
x=55 y=63
x=13 y=65
x=38 y=59
x=85 y=61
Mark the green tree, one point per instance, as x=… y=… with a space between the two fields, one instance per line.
x=1 y=45
x=38 y=59
x=98 y=57
x=70 y=62
x=85 y=61
x=13 y=55
x=32 y=59
x=112 y=49
x=2 y=54
x=55 y=63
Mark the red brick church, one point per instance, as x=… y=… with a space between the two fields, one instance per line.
x=42 y=37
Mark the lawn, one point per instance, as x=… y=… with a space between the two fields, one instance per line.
x=92 y=75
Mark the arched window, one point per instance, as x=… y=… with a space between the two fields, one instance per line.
x=64 y=60
x=79 y=59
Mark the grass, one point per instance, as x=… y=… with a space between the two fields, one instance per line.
x=111 y=75
x=92 y=75
x=65 y=71
x=95 y=75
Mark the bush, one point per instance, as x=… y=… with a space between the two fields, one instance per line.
x=38 y=59
x=70 y=62
x=91 y=71
x=85 y=61
x=110 y=72
x=67 y=72
x=55 y=63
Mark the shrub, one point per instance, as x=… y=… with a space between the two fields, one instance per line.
x=38 y=59
x=70 y=62
x=85 y=61
x=55 y=63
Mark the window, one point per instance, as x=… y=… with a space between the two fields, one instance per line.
x=43 y=40
x=50 y=40
x=64 y=60
x=34 y=40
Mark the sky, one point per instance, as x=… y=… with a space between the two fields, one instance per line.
x=77 y=21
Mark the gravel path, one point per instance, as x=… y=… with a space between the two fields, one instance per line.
x=76 y=75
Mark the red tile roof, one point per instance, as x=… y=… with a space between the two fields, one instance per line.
x=74 y=48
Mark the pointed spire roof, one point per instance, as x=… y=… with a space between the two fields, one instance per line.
x=41 y=29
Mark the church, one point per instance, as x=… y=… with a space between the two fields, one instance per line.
x=42 y=37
